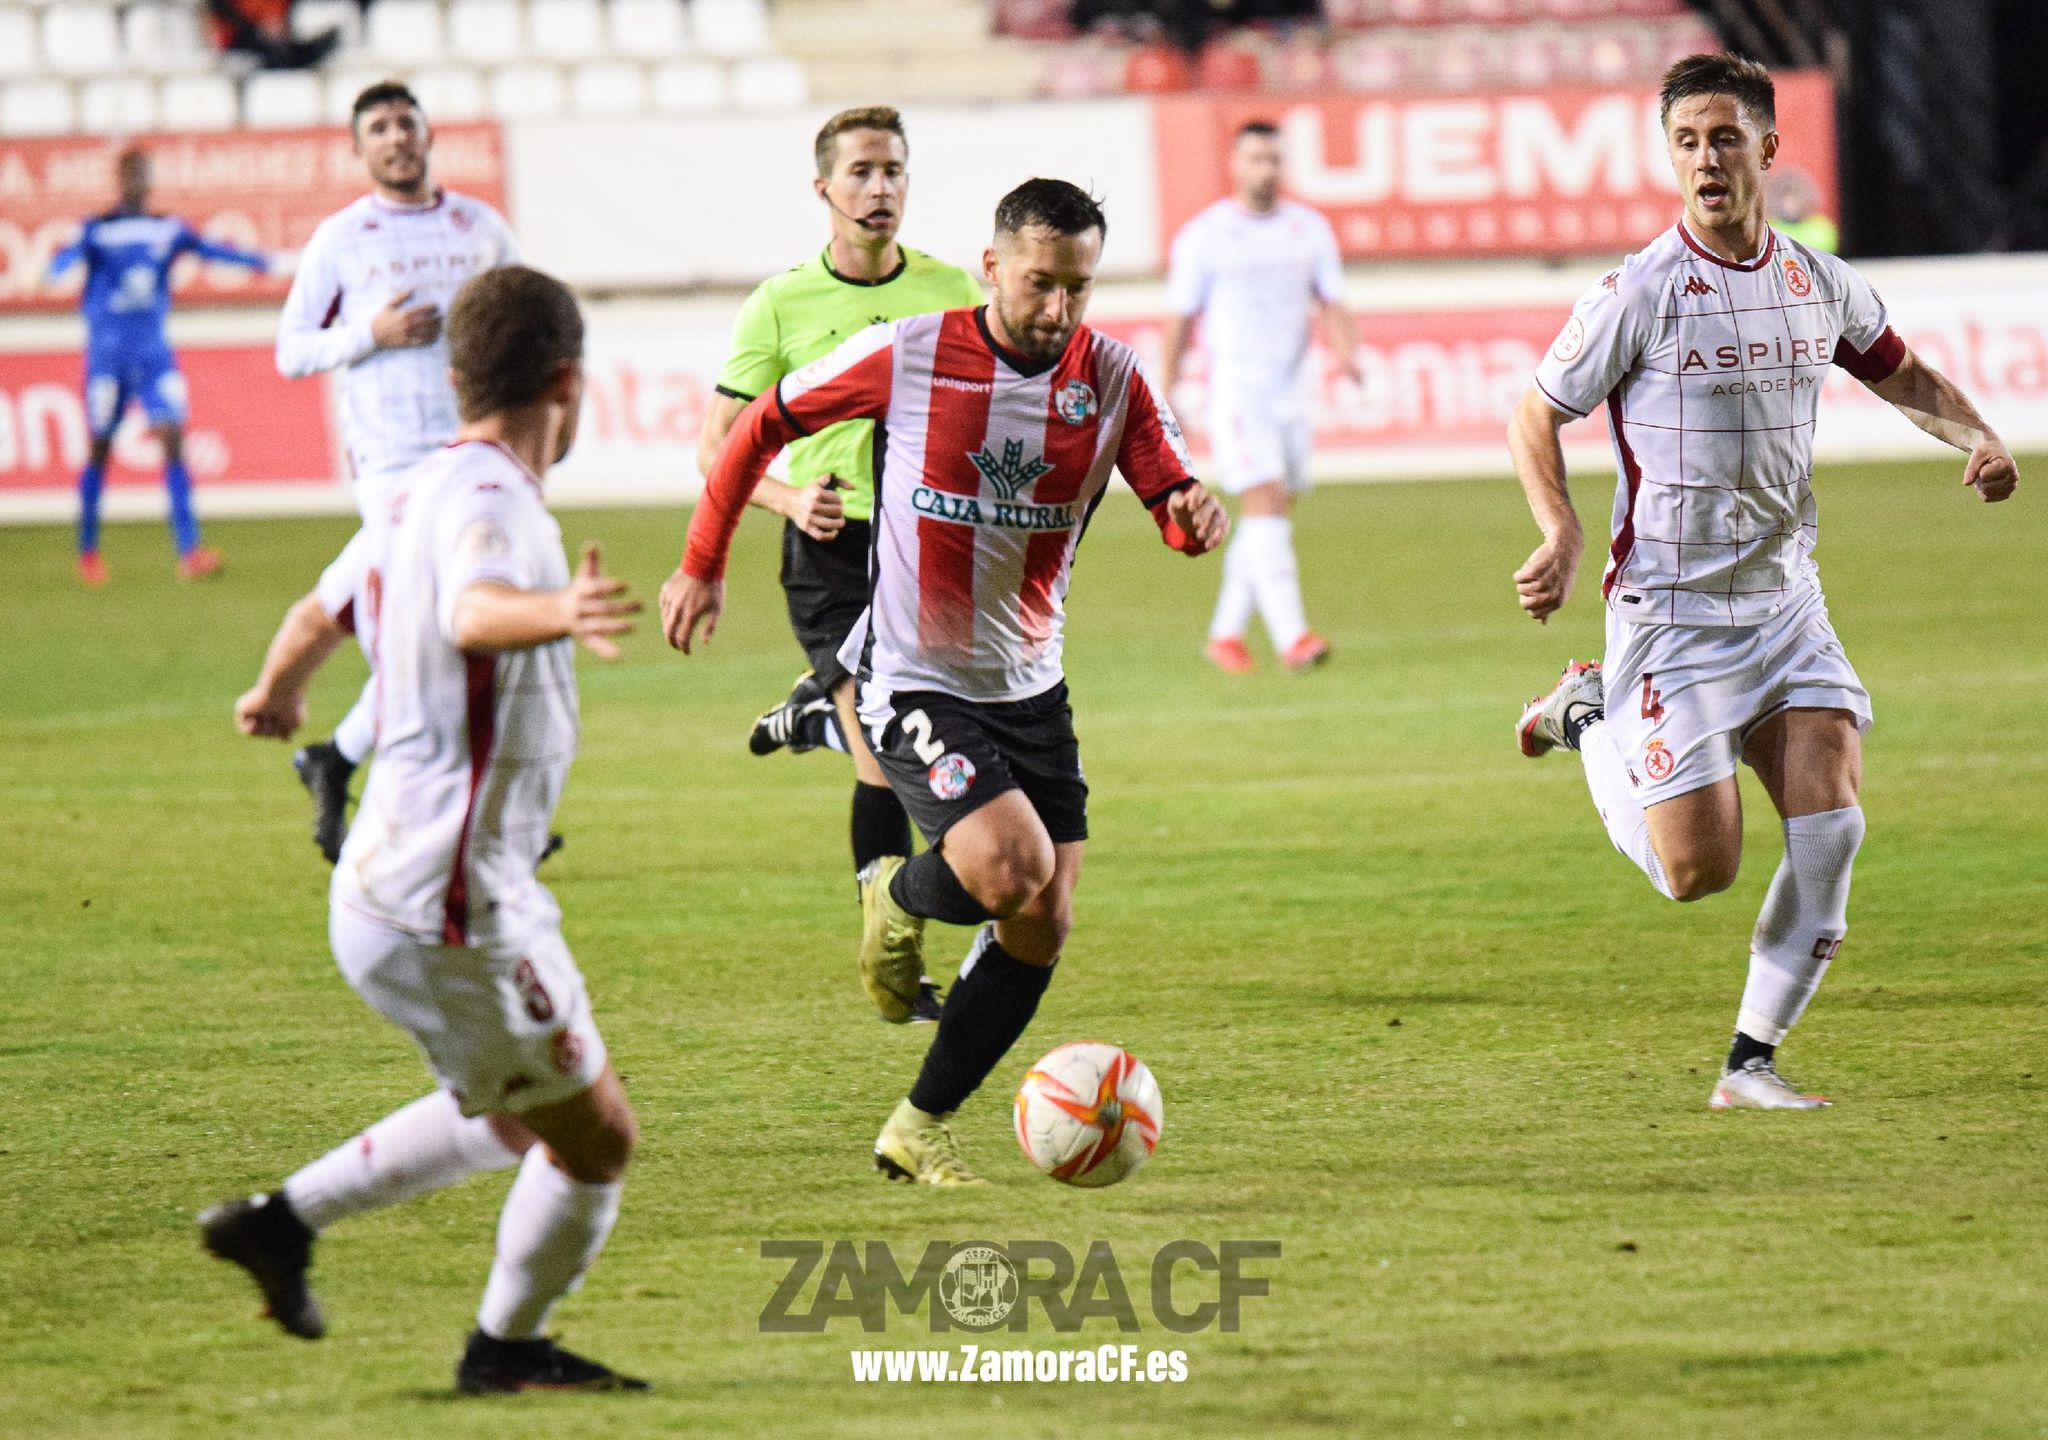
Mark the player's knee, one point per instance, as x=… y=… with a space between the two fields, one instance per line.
x=602 y=1154
x=1695 y=877
x=1015 y=878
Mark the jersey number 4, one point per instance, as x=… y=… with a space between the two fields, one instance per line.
x=1653 y=700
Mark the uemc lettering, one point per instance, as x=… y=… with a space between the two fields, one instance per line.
x=1782 y=351
x=1192 y=1286
x=972 y=510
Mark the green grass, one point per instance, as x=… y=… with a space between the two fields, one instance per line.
x=1510 y=1212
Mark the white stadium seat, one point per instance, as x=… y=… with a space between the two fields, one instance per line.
x=117 y=105
x=342 y=88
x=730 y=28
x=486 y=32
x=689 y=87
x=17 y=42
x=282 y=100
x=773 y=82
x=566 y=29
x=608 y=87
x=648 y=29
x=36 y=107
x=199 y=102
x=164 y=39
x=317 y=17
x=450 y=92
x=80 y=39
x=527 y=91
x=405 y=32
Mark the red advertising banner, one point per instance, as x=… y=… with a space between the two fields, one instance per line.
x=1551 y=172
x=248 y=425
x=264 y=189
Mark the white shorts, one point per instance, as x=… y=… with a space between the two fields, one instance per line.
x=1682 y=700
x=1257 y=447
x=503 y=1029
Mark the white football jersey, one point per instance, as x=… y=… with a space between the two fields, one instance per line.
x=1256 y=281
x=396 y=405
x=472 y=750
x=1711 y=374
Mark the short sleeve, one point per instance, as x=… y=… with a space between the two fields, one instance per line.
x=1868 y=347
x=476 y=541
x=756 y=360
x=1187 y=275
x=1602 y=340
x=1329 y=266
x=342 y=583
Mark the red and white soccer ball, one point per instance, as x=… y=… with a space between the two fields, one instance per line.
x=1089 y=1114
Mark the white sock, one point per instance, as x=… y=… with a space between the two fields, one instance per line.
x=1275 y=578
x=1805 y=917
x=425 y=1146
x=835 y=738
x=550 y=1230
x=356 y=736
x=1234 y=602
x=1627 y=825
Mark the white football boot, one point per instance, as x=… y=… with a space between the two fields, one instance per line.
x=1543 y=726
x=1758 y=1086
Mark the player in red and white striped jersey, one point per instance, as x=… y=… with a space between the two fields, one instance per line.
x=1708 y=349
x=1000 y=427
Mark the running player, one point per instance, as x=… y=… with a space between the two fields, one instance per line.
x=436 y=919
x=128 y=253
x=1001 y=426
x=1708 y=348
x=367 y=303
x=1258 y=271
x=862 y=277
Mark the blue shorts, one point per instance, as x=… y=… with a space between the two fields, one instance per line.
x=149 y=377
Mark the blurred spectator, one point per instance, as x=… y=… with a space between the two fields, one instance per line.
x=1795 y=210
x=263 y=28
x=1189 y=24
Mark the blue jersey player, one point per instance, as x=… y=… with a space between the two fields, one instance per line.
x=128 y=253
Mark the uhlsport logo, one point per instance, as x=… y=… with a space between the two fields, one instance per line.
x=978 y=1287
x=1075 y=402
x=1011 y=473
x=951 y=776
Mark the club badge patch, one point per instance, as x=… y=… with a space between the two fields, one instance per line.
x=951 y=776
x=1796 y=278
x=1075 y=402
x=1570 y=341
x=1657 y=760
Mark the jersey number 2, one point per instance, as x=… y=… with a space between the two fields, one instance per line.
x=917 y=728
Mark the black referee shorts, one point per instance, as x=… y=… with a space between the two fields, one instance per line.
x=825 y=583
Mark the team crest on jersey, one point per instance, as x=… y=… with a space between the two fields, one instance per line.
x=1013 y=472
x=1657 y=760
x=459 y=217
x=1796 y=278
x=1570 y=341
x=951 y=776
x=1075 y=402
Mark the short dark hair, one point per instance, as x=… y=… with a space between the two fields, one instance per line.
x=1265 y=129
x=1056 y=205
x=825 y=149
x=1735 y=75
x=384 y=92
x=509 y=331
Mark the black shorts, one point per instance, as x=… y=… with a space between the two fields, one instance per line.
x=826 y=585
x=947 y=757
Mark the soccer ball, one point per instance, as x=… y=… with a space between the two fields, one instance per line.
x=1089 y=1114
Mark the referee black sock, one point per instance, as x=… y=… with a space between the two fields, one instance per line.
x=986 y=1010
x=927 y=886
x=881 y=826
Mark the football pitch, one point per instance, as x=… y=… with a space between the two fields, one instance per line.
x=1412 y=1017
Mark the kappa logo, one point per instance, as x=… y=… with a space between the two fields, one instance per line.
x=1075 y=402
x=1011 y=473
x=1796 y=278
x=1611 y=280
x=1694 y=285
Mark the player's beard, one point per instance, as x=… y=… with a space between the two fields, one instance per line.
x=1028 y=339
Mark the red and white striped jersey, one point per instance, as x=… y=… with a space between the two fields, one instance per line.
x=989 y=469
x=397 y=406
x=472 y=750
x=1711 y=374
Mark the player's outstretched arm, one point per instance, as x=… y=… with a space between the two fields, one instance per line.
x=1931 y=400
x=275 y=705
x=220 y=250
x=1544 y=582
x=592 y=609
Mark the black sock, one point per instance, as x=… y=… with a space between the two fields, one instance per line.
x=1577 y=719
x=985 y=1012
x=881 y=826
x=1745 y=1049
x=927 y=886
